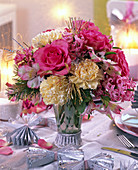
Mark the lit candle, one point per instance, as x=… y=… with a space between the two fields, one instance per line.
x=127 y=39
x=61 y=12
x=6 y=70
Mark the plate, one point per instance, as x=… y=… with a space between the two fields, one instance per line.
x=130 y=119
x=128 y=129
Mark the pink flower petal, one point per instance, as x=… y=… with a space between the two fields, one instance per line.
x=6 y=150
x=43 y=144
x=34 y=83
x=36 y=67
x=26 y=72
x=85 y=117
x=2 y=143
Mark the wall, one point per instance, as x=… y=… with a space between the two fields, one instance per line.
x=34 y=16
x=100 y=16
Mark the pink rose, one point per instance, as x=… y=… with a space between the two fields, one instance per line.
x=54 y=58
x=97 y=40
x=119 y=57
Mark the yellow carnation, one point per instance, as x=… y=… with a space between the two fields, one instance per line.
x=46 y=38
x=54 y=90
x=86 y=75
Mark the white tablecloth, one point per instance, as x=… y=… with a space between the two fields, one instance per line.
x=98 y=132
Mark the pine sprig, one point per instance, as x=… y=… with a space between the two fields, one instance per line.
x=20 y=90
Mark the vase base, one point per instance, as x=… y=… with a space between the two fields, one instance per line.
x=63 y=140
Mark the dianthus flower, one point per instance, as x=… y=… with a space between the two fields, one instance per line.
x=120 y=59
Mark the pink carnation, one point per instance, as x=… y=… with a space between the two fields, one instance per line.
x=54 y=58
x=24 y=57
x=119 y=57
x=19 y=57
x=79 y=25
x=97 y=40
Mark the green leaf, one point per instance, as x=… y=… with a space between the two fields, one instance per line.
x=80 y=107
x=117 y=48
x=108 y=53
x=62 y=119
x=111 y=41
x=105 y=100
x=61 y=111
x=130 y=89
x=109 y=116
x=76 y=101
x=86 y=95
x=77 y=120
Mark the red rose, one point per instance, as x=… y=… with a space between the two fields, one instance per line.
x=54 y=58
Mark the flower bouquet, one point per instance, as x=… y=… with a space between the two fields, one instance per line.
x=69 y=68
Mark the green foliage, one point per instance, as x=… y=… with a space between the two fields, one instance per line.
x=86 y=95
x=62 y=119
x=130 y=89
x=105 y=100
x=117 y=48
x=80 y=107
x=77 y=120
x=61 y=110
x=79 y=104
x=20 y=90
x=88 y=116
x=108 y=53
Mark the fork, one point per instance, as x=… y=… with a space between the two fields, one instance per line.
x=126 y=142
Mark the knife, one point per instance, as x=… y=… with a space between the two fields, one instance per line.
x=131 y=154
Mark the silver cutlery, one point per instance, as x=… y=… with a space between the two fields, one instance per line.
x=126 y=142
x=131 y=154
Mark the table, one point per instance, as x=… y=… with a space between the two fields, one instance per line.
x=98 y=132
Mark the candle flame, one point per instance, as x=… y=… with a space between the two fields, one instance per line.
x=62 y=12
x=6 y=69
x=128 y=38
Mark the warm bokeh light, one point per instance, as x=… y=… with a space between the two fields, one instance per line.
x=128 y=38
x=6 y=68
x=62 y=12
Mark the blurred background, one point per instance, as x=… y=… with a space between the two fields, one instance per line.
x=34 y=16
